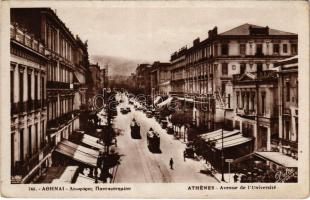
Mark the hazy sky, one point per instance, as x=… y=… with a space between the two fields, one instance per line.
x=153 y=33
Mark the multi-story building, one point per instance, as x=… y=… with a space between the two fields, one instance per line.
x=287 y=140
x=80 y=73
x=103 y=78
x=143 y=78
x=210 y=65
x=65 y=62
x=160 y=79
x=29 y=148
x=177 y=71
x=255 y=83
x=95 y=74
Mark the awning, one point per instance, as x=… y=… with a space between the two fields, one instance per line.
x=91 y=141
x=216 y=135
x=77 y=152
x=278 y=158
x=166 y=102
x=232 y=141
x=84 y=179
x=186 y=99
x=67 y=175
x=158 y=98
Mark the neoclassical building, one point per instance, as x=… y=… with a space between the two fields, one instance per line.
x=210 y=75
x=28 y=76
x=59 y=62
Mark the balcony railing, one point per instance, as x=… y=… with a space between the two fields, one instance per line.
x=57 y=85
x=61 y=121
x=267 y=75
x=27 y=106
x=22 y=37
x=24 y=167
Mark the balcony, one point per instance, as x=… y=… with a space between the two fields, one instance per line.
x=57 y=85
x=59 y=122
x=246 y=113
x=268 y=75
x=22 y=37
x=24 y=167
x=27 y=106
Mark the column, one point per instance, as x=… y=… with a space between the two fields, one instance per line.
x=39 y=85
x=268 y=139
x=25 y=96
x=16 y=83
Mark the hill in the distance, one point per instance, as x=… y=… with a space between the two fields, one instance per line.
x=116 y=65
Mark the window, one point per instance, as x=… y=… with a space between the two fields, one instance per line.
x=259 y=67
x=242 y=68
x=284 y=48
x=29 y=86
x=259 y=49
x=276 y=48
x=42 y=90
x=288 y=91
x=42 y=135
x=36 y=87
x=29 y=142
x=12 y=85
x=237 y=95
x=223 y=88
x=242 y=100
x=224 y=68
x=294 y=49
x=263 y=102
x=36 y=144
x=253 y=101
x=21 y=86
x=242 y=49
x=21 y=144
x=287 y=130
x=224 y=49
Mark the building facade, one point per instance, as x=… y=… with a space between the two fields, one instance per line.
x=207 y=76
x=143 y=79
x=160 y=79
x=60 y=77
x=287 y=140
x=29 y=146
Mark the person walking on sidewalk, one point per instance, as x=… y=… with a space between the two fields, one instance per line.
x=184 y=155
x=171 y=163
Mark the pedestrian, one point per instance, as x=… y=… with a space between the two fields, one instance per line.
x=184 y=155
x=115 y=141
x=171 y=163
x=235 y=178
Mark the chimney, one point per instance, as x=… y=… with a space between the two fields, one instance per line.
x=196 y=41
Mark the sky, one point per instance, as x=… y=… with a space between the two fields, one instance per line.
x=153 y=33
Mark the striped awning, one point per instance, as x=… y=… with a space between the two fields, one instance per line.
x=77 y=152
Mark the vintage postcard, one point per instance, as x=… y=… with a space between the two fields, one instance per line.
x=154 y=99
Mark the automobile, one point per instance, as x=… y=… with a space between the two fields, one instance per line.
x=164 y=123
x=124 y=111
x=170 y=130
x=144 y=109
x=135 y=106
x=130 y=102
x=121 y=101
x=149 y=114
x=139 y=108
x=128 y=109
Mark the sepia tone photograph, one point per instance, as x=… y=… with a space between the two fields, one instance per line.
x=108 y=95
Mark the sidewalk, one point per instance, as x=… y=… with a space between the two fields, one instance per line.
x=229 y=178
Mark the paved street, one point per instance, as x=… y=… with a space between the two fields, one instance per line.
x=138 y=164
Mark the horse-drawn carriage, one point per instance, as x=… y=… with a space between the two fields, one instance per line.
x=135 y=130
x=153 y=140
